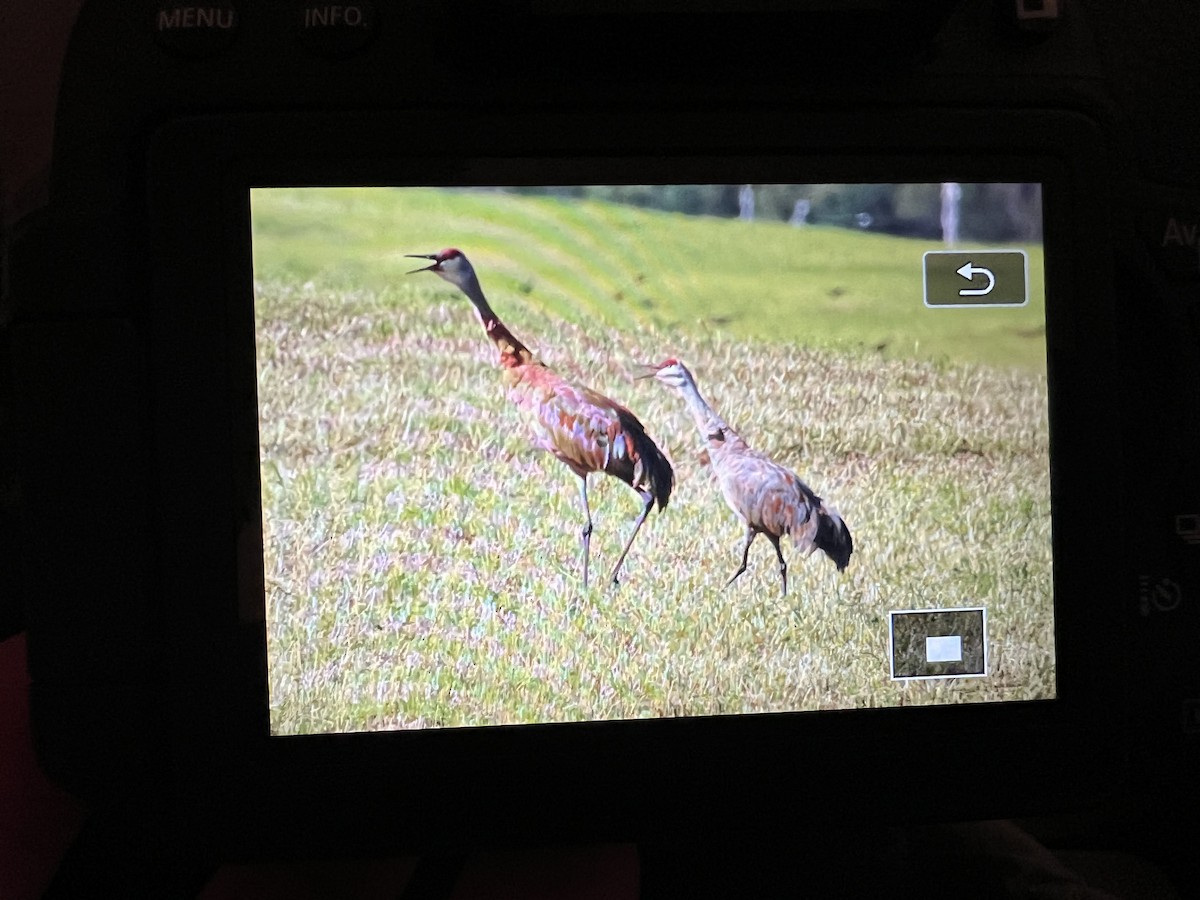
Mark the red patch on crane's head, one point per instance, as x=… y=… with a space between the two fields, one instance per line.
x=448 y=253
x=653 y=371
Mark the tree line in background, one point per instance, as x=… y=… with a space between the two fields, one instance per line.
x=1010 y=212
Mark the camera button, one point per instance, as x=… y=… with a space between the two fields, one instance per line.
x=195 y=30
x=335 y=29
x=1174 y=240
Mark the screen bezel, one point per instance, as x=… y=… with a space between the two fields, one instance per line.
x=604 y=779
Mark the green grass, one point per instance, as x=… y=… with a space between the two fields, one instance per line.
x=598 y=263
x=423 y=561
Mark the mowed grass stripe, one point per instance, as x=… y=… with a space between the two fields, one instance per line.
x=533 y=249
x=351 y=237
x=755 y=280
x=569 y=260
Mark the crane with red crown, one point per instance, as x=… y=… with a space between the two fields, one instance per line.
x=769 y=498
x=581 y=427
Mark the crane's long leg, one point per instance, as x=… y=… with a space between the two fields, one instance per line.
x=586 y=533
x=647 y=503
x=750 y=535
x=774 y=539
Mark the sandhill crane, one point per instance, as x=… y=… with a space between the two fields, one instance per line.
x=586 y=430
x=768 y=498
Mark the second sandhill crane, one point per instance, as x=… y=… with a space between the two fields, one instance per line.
x=769 y=498
x=582 y=428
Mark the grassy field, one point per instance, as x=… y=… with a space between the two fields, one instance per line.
x=599 y=264
x=423 y=562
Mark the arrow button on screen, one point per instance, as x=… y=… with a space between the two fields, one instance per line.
x=976 y=278
x=969 y=272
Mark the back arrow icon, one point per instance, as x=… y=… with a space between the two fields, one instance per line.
x=969 y=272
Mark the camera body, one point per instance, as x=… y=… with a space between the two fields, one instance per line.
x=142 y=556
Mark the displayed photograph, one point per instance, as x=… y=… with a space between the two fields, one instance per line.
x=544 y=454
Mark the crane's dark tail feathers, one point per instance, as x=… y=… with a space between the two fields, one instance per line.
x=656 y=470
x=833 y=537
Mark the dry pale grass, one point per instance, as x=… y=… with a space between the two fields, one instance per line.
x=422 y=562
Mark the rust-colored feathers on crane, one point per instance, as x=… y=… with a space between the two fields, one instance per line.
x=591 y=433
x=581 y=427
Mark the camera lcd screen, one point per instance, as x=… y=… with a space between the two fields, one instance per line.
x=453 y=381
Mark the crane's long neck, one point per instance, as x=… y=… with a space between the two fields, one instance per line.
x=710 y=423
x=512 y=352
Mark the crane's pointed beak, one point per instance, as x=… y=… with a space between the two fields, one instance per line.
x=649 y=371
x=432 y=256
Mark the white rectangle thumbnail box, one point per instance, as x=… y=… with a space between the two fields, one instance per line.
x=947 y=648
